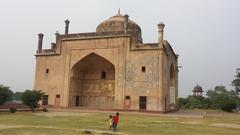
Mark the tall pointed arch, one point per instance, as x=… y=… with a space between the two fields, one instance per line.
x=172 y=75
x=92 y=82
x=172 y=86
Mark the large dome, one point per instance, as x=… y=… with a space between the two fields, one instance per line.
x=116 y=23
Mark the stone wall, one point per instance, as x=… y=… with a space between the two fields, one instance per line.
x=51 y=81
x=131 y=71
x=71 y=51
x=143 y=83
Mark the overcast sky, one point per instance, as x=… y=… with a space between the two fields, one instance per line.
x=205 y=34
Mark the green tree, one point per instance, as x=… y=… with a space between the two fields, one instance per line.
x=229 y=105
x=182 y=102
x=196 y=102
x=5 y=94
x=236 y=81
x=220 y=98
x=31 y=98
x=17 y=96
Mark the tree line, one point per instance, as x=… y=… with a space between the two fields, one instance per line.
x=28 y=97
x=218 y=98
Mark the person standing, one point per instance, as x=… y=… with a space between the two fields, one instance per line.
x=110 y=121
x=115 y=122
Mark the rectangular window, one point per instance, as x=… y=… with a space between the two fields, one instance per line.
x=57 y=96
x=47 y=71
x=142 y=102
x=127 y=97
x=103 y=75
x=77 y=101
x=143 y=69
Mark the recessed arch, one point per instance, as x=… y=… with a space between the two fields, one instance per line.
x=172 y=75
x=94 y=60
x=87 y=53
x=88 y=88
x=172 y=86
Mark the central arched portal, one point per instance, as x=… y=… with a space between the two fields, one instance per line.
x=92 y=82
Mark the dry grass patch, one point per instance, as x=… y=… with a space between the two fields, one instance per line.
x=226 y=125
x=55 y=114
x=76 y=123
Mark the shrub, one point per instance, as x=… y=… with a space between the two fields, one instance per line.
x=182 y=102
x=31 y=98
x=5 y=94
x=45 y=110
x=223 y=99
x=12 y=110
x=229 y=105
x=196 y=102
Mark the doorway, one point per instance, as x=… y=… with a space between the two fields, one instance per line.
x=142 y=103
x=57 y=100
x=77 y=101
x=127 y=102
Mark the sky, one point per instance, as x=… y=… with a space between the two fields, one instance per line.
x=205 y=34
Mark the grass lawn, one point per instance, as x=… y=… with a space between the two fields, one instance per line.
x=72 y=123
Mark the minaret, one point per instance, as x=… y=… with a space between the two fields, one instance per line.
x=161 y=26
x=125 y=23
x=66 y=26
x=40 y=41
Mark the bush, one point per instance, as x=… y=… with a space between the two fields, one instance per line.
x=31 y=98
x=182 y=102
x=45 y=110
x=5 y=94
x=229 y=105
x=223 y=99
x=12 y=110
x=196 y=102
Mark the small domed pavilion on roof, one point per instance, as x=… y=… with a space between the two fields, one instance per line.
x=111 y=68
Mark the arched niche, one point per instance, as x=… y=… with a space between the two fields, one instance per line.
x=92 y=82
x=172 y=86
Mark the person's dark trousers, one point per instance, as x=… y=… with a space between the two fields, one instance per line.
x=114 y=126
